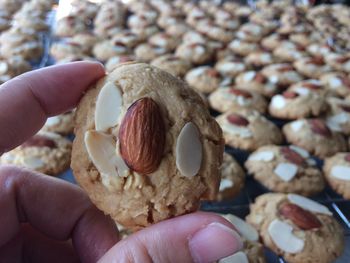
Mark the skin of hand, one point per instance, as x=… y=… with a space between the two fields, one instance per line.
x=45 y=219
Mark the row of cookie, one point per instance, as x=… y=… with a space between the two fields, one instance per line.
x=248 y=130
x=290 y=225
x=22 y=38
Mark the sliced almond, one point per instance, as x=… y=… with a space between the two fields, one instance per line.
x=245 y=230
x=3 y=67
x=52 y=121
x=102 y=152
x=300 y=217
x=278 y=102
x=225 y=184
x=341 y=172
x=142 y=136
x=286 y=171
x=32 y=162
x=308 y=204
x=108 y=105
x=302 y=152
x=297 y=125
x=239 y=257
x=265 y=156
x=282 y=235
x=189 y=150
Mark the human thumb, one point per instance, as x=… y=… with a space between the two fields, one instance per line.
x=199 y=237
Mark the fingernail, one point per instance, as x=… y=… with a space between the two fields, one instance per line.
x=214 y=242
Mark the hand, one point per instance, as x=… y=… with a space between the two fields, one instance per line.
x=44 y=219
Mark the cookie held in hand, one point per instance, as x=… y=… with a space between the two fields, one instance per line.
x=146 y=148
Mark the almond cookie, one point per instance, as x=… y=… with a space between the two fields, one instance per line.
x=293 y=226
x=69 y=26
x=289 y=52
x=338 y=116
x=172 y=64
x=253 y=251
x=286 y=169
x=230 y=66
x=259 y=59
x=232 y=178
x=147 y=52
x=242 y=48
x=106 y=49
x=282 y=74
x=315 y=137
x=62 y=124
x=225 y=99
x=303 y=99
x=196 y=53
x=203 y=79
x=13 y=67
x=164 y=40
x=255 y=81
x=251 y=32
x=144 y=140
x=337 y=172
x=113 y=62
x=248 y=130
x=312 y=67
x=45 y=152
x=339 y=62
x=273 y=41
x=336 y=82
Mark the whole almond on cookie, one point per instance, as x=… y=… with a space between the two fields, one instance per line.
x=239 y=92
x=319 y=127
x=300 y=217
x=292 y=156
x=142 y=136
x=237 y=120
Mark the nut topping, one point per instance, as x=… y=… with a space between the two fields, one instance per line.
x=142 y=136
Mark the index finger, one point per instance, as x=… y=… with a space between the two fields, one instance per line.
x=27 y=100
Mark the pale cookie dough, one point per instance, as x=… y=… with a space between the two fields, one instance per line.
x=336 y=82
x=315 y=137
x=313 y=67
x=232 y=178
x=248 y=130
x=253 y=251
x=172 y=64
x=337 y=172
x=203 y=79
x=225 y=99
x=297 y=228
x=289 y=52
x=62 y=124
x=146 y=148
x=45 y=152
x=255 y=81
x=287 y=169
x=301 y=100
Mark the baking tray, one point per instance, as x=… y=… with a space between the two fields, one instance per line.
x=240 y=204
